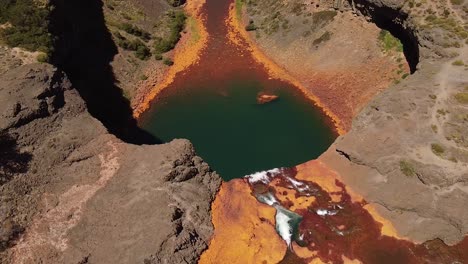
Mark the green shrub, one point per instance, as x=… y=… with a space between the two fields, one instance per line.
x=457 y=2
x=162 y=45
x=251 y=26
x=389 y=42
x=29 y=25
x=142 y=52
x=168 y=62
x=136 y=31
x=42 y=57
x=158 y=56
x=176 y=3
x=324 y=37
x=462 y=98
x=406 y=168
x=130 y=45
x=458 y=63
x=437 y=149
x=176 y=25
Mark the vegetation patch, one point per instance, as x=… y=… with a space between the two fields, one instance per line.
x=437 y=149
x=389 y=42
x=462 y=98
x=324 y=37
x=42 y=57
x=26 y=25
x=176 y=3
x=176 y=25
x=447 y=23
x=136 y=31
x=239 y=6
x=141 y=50
x=406 y=168
x=458 y=63
x=168 y=62
x=251 y=26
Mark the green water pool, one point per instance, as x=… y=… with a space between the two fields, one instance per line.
x=233 y=133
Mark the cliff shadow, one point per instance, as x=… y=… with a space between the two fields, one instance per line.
x=84 y=49
x=393 y=21
x=12 y=161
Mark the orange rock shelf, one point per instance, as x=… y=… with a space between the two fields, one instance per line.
x=244 y=228
x=337 y=225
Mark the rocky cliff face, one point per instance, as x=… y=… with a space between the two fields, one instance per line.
x=407 y=150
x=73 y=193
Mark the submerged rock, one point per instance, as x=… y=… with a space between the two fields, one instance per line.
x=263 y=98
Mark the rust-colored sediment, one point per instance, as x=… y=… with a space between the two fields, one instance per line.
x=186 y=53
x=240 y=37
x=350 y=232
x=244 y=228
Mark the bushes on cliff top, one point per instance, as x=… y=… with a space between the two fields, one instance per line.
x=136 y=31
x=176 y=25
x=141 y=50
x=25 y=25
x=176 y=2
x=389 y=42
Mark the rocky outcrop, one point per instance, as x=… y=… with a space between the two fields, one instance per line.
x=410 y=139
x=73 y=193
x=406 y=152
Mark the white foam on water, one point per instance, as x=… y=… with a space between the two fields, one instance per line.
x=301 y=237
x=268 y=199
x=283 y=227
x=323 y=212
x=300 y=186
x=262 y=176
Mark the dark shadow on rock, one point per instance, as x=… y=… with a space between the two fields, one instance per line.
x=393 y=21
x=84 y=49
x=11 y=160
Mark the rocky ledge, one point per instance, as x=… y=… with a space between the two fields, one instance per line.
x=73 y=193
x=406 y=151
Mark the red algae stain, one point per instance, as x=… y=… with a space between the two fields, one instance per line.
x=337 y=228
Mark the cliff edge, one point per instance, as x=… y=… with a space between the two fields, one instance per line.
x=73 y=193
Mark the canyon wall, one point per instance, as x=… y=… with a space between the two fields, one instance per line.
x=405 y=149
x=68 y=185
x=71 y=177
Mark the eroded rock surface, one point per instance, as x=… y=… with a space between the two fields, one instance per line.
x=405 y=150
x=72 y=193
